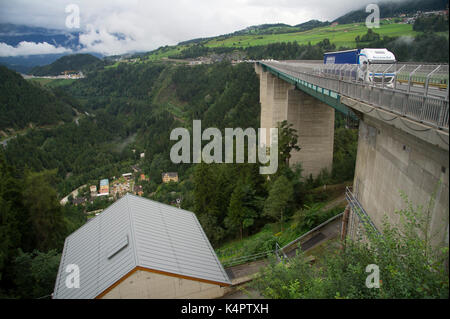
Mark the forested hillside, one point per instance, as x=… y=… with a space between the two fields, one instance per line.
x=394 y=8
x=144 y=109
x=22 y=103
x=126 y=80
x=140 y=114
x=74 y=62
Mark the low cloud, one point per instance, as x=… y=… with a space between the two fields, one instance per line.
x=119 y=26
x=405 y=40
x=30 y=48
x=106 y=42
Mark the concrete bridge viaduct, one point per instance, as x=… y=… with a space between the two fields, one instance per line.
x=403 y=136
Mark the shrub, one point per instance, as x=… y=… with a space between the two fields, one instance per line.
x=409 y=266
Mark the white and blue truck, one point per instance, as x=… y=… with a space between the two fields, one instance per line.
x=374 y=65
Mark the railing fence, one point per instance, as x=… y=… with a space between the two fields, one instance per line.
x=417 y=92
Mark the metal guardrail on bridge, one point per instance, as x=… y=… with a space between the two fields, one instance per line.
x=418 y=92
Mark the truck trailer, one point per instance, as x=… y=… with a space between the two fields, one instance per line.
x=372 y=64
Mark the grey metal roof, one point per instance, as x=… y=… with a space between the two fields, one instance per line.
x=136 y=231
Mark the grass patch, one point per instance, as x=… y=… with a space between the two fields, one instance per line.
x=165 y=99
x=266 y=239
x=176 y=111
x=164 y=52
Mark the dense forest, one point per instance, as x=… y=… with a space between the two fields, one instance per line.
x=425 y=47
x=127 y=80
x=431 y=23
x=22 y=103
x=33 y=226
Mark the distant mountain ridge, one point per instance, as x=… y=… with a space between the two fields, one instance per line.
x=23 y=64
x=392 y=9
x=273 y=28
x=387 y=9
x=73 y=62
x=12 y=34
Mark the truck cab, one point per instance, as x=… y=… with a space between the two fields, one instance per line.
x=373 y=65
x=378 y=62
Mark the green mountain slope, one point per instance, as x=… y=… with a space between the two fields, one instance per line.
x=311 y=32
x=75 y=62
x=22 y=103
x=342 y=35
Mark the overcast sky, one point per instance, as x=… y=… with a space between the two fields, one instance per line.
x=150 y=24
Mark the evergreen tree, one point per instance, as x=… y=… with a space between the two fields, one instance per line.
x=280 y=195
x=35 y=273
x=241 y=211
x=287 y=141
x=45 y=213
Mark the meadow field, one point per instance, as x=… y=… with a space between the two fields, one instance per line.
x=340 y=35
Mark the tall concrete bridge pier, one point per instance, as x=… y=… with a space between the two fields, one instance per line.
x=399 y=156
x=403 y=144
x=312 y=119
